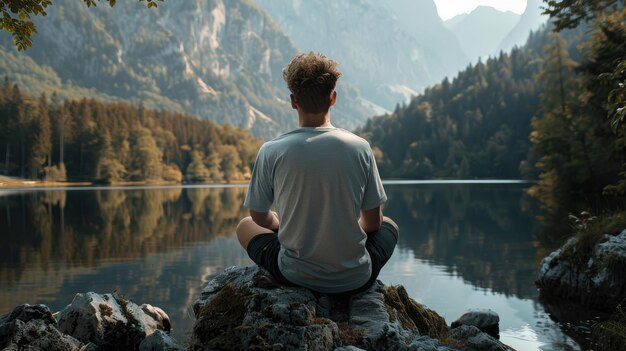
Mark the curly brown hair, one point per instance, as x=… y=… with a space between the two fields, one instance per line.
x=311 y=78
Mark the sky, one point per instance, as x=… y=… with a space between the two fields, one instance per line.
x=450 y=8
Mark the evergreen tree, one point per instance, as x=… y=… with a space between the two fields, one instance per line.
x=41 y=138
x=197 y=171
x=553 y=131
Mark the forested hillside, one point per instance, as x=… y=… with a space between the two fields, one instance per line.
x=87 y=140
x=579 y=134
x=475 y=126
x=218 y=60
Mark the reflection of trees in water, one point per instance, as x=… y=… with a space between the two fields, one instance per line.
x=480 y=233
x=82 y=228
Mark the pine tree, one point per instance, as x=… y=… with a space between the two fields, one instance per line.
x=40 y=135
x=554 y=134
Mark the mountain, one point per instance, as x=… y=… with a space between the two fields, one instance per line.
x=476 y=125
x=389 y=50
x=481 y=31
x=219 y=60
x=530 y=20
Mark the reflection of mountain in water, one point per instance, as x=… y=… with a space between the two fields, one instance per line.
x=479 y=233
x=82 y=228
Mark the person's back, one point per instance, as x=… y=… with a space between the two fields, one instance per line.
x=320 y=177
x=326 y=188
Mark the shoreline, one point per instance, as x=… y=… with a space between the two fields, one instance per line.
x=7 y=183
x=23 y=184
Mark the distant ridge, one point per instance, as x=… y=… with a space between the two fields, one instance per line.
x=481 y=31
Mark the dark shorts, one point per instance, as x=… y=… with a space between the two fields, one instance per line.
x=263 y=249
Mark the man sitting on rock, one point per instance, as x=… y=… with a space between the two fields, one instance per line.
x=333 y=237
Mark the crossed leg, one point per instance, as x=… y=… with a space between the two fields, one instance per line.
x=248 y=229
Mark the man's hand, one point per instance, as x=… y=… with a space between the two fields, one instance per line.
x=371 y=220
x=267 y=219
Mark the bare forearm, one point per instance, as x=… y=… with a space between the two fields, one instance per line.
x=267 y=219
x=371 y=220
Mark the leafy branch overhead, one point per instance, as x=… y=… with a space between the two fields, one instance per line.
x=16 y=17
x=569 y=13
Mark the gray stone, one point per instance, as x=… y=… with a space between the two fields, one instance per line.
x=108 y=321
x=475 y=340
x=484 y=319
x=160 y=341
x=35 y=333
x=244 y=308
x=27 y=312
x=349 y=348
x=600 y=282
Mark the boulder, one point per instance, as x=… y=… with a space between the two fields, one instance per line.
x=159 y=341
x=30 y=327
x=486 y=320
x=473 y=339
x=597 y=280
x=243 y=308
x=109 y=321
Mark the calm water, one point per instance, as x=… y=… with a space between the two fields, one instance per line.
x=461 y=246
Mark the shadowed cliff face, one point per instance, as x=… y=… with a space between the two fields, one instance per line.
x=215 y=59
x=389 y=49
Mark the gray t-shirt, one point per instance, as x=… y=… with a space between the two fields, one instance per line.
x=320 y=179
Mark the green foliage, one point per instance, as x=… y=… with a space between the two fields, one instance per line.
x=16 y=17
x=589 y=231
x=575 y=148
x=617 y=96
x=611 y=335
x=86 y=140
x=475 y=126
x=570 y=13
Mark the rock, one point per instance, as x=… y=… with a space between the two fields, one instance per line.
x=162 y=319
x=27 y=312
x=475 y=340
x=33 y=328
x=598 y=282
x=243 y=308
x=484 y=319
x=109 y=321
x=159 y=341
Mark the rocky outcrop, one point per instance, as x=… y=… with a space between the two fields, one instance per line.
x=33 y=327
x=486 y=320
x=159 y=341
x=91 y=322
x=243 y=308
x=110 y=321
x=474 y=339
x=596 y=279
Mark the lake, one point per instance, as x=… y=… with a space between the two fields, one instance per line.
x=461 y=246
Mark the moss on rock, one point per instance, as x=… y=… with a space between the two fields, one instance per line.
x=220 y=320
x=413 y=315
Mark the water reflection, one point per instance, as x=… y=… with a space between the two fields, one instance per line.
x=149 y=244
x=478 y=232
x=461 y=246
